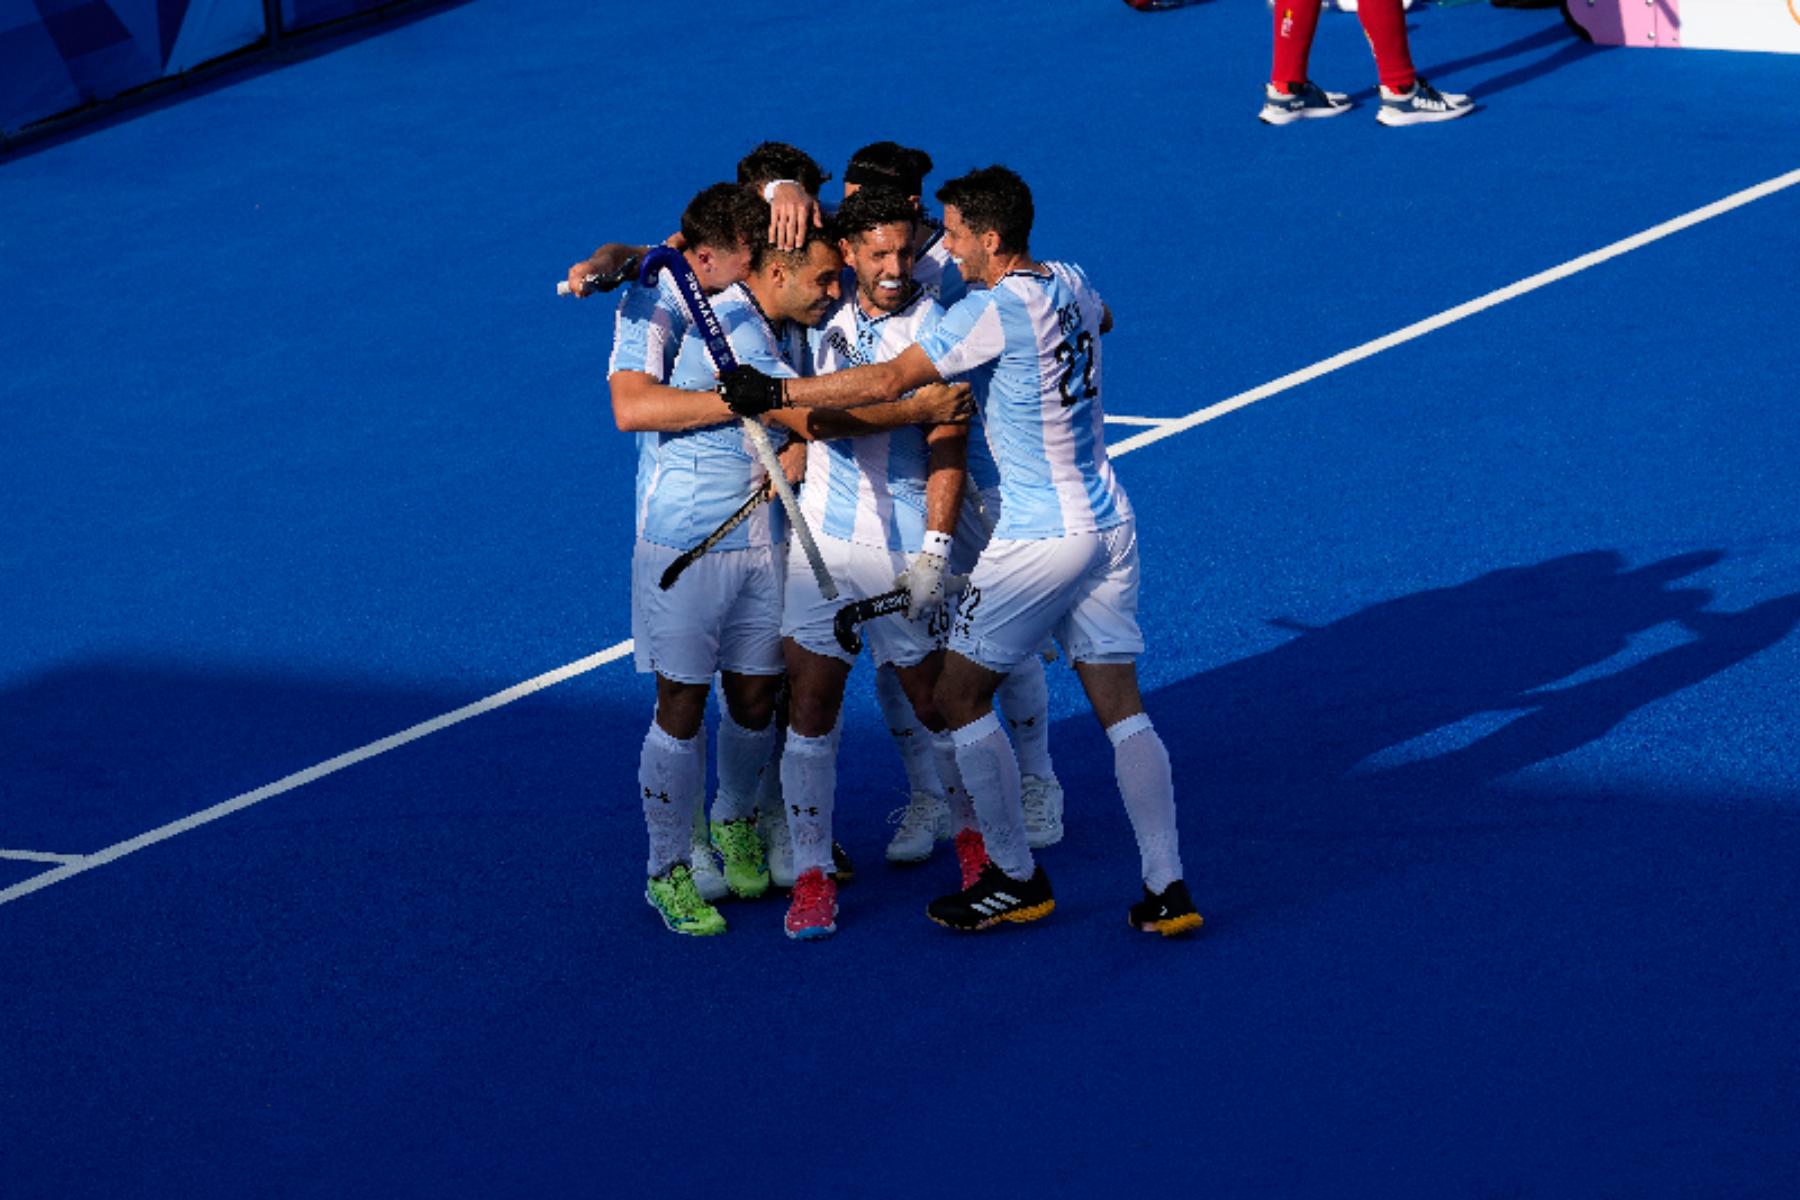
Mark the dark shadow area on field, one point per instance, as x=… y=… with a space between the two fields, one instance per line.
x=1572 y=50
x=1298 y=735
x=252 y=62
x=100 y=752
x=432 y=973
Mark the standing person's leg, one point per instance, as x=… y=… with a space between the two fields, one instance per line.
x=1290 y=95
x=1104 y=641
x=809 y=786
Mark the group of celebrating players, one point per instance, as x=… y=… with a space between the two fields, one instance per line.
x=938 y=394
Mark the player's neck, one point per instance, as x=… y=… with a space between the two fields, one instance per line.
x=1002 y=265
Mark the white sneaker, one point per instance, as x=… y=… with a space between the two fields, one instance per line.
x=1423 y=103
x=924 y=822
x=779 y=847
x=1043 y=801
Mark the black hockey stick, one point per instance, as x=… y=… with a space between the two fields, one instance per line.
x=843 y=626
x=715 y=537
x=627 y=272
x=706 y=324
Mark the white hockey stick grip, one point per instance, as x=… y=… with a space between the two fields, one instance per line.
x=765 y=450
x=562 y=287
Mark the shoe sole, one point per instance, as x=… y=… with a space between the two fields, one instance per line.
x=1017 y=916
x=1422 y=118
x=1305 y=114
x=813 y=934
x=748 y=893
x=1174 y=925
x=922 y=856
x=673 y=928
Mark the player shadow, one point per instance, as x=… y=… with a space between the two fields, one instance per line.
x=1436 y=694
x=1571 y=50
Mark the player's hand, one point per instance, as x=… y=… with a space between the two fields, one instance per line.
x=945 y=404
x=789 y=214
x=793 y=462
x=747 y=392
x=924 y=584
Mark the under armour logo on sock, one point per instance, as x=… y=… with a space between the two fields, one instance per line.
x=650 y=795
x=804 y=812
x=1027 y=723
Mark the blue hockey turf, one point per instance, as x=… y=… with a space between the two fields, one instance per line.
x=1475 y=655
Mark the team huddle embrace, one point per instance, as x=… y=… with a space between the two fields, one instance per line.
x=879 y=410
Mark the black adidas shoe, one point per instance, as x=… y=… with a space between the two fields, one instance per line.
x=1170 y=913
x=992 y=898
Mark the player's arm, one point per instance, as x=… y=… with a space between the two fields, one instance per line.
x=643 y=405
x=604 y=261
x=946 y=469
x=934 y=404
x=750 y=392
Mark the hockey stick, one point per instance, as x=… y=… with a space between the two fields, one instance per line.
x=713 y=334
x=714 y=538
x=604 y=283
x=843 y=626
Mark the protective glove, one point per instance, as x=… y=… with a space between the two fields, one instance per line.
x=747 y=392
x=924 y=579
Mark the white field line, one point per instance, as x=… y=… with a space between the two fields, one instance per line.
x=75 y=865
x=1112 y=420
x=40 y=856
x=88 y=862
x=1421 y=328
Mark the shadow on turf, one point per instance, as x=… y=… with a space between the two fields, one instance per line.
x=1507 y=644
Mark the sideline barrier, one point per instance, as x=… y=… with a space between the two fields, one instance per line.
x=61 y=57
x=1761 y=25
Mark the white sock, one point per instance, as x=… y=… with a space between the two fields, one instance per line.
x=910 y=738
x=669 y=780
x=809 y=787
x=1141 y=764
x=962 y=811
x=1025 y=701
x=743 y=756
x=992 y=775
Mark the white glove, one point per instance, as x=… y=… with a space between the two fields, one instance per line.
x=924 y=580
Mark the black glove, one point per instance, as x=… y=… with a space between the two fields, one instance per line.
x=747 y=392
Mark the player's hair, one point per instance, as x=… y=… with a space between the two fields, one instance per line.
x=725 y=217
x=993 y=198
x=766 y=252
x=871 y=207
x=778 y=160
x=889 y=164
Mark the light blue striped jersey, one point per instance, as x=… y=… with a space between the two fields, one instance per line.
x=869 y=490
x=1030 y=345
x=648 y=327
x=701 y=476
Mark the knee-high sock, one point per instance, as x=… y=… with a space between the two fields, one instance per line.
x=1025 y=703
x=910 y=737
x=1141 y=764
x=1384 y=21
x=956 y=795
x=743 y=757
x=669 y=779
x=992 y=775
x=809 y=788
x=1295 y=23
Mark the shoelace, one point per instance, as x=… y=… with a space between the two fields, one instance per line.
x=809 y=894
x=914 y=818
